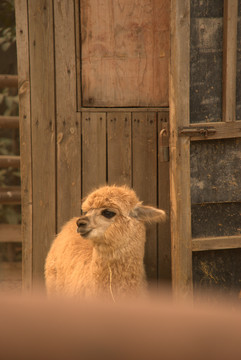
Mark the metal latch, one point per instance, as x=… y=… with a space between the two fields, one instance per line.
x=203 y=131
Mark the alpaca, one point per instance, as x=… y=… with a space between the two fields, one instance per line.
x=101 y=253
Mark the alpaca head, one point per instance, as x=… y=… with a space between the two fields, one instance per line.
x=114 y=214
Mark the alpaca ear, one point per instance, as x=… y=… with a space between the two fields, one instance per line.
x=148 y=213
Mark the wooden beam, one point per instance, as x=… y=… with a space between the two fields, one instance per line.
x=8 y=81
x=10 y=233
x=230 y=18
x=216 y=243
x=132 y=109
x=224 y=130
x=10 y=195
x=22 y=34
x=9 y=161
x=9 y=122
x=180 y=150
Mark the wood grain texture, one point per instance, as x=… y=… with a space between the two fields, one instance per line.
x=125 y=52
x=119 y=148
x=93 y=151
x=144 y=144
x=223 y=130
x=67 y=120
x=41 y=40
x=179 y=150
x=22 y=35
x=230 y=17
x=216 y=243
x=164 y=236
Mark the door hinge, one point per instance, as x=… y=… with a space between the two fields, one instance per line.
x=202 y=131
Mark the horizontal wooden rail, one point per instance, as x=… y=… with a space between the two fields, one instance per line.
x=10 y=233
x=216 y=243
x=9 y=122
x=224 y=130
x=10 y=195
x=9 y=161
x=10 y=81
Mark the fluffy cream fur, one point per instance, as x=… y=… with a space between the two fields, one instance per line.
x=107 y=260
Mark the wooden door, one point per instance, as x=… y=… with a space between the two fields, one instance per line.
x=122 y=77
x=205 y=146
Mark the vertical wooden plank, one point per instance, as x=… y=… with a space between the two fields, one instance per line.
x=119 y=148
x=67 y=119
x=93 y=151
x=42 y=72
x=164 y=236
x=78 y=53
x=180 y=149
x=144 y=142
x=229 y=59
x=21 y=9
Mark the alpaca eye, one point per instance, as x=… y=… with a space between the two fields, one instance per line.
x=108 y=214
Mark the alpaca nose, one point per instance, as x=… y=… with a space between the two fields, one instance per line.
x=82 y=222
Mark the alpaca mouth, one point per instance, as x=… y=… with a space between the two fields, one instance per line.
x=83 y=233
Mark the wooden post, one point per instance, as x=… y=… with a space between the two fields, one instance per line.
x=180 y=150
x=229 y=59
x=42 y=74
x=22 y=34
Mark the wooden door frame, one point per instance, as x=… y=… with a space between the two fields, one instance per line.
x=181 y=236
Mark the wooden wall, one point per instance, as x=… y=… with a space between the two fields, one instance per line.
x=68 y=149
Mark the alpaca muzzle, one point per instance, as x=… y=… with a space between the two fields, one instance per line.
x=82 y=226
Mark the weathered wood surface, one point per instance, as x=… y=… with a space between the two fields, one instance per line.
x=119 y=148
x=125 y=53
x=217 y=270
x=164 y=237
x=10 y=233
x=42 y=73
x=218 y=242
x=68 y=192
x=238 y=67
x=22 y=34
x=223 y=130
x=144 y=164
x=179 y=150
x=93 y=151
x=216 y=171
x=206 y=40
x=230 y=15
x=9 y=122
